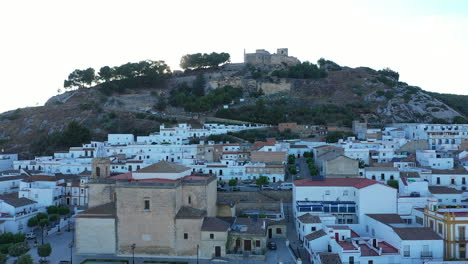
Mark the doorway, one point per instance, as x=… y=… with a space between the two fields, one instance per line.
x=270 y=233
x=247 y=245
x=217 y=251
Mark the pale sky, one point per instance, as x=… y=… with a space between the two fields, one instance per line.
x=41 y=42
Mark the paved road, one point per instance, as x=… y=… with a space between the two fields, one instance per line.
x=304 y=171
x=61 y=251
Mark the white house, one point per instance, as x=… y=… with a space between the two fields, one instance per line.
x=382 y=174
x=430 y=158
x=15 y=212
x=6 y=161
x=346 y=198
x=415 y=244
x=42 y=189
x=452 y=178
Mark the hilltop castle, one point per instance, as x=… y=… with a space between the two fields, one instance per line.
x=263 y=58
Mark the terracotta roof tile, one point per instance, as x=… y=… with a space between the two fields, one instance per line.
x=358 y=183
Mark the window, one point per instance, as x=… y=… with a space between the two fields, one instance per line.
x=147 y=204
x=382 y=176
x=431 y=224
x=211 y=236
x=406 y=251
x=351 y=260
x=190 y=200
x=452 y=181
x=373 y=232
x=185 y=235
x=327 y=192
x=257 y=243
x=313 y=228
x=370 y=262
x=454 y=200
x=367 y=229
x=345 y=193
x=278 y=231
x=438 y=180
x=419 y=220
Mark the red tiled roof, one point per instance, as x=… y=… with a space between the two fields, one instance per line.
x=346 y=245
x=129 y=176
x=125 y=176
x=367 y=251
x=134 y=161
x=354 y=234
x=194 y=178
x=216 y=166
x=387 y=248
x=230 y=152
x=260 y=144
x=358 y=183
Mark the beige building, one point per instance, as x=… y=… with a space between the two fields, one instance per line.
x=163 y=210
x=160 y=209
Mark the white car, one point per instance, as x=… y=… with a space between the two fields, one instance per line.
x=285 y=186
x=30 y=235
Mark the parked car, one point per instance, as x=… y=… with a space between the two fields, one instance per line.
x=235 y=189
x=285 y=186
x=272 y=245
x=30 y=235
x=253 y=185
x=298 y=168
x=267 y=188
x=222 y=189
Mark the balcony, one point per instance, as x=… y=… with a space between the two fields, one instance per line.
x=426 y=254
x=326 y=206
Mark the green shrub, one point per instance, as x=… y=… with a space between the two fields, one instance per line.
x=5 y=247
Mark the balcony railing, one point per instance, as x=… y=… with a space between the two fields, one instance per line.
x=426 y=254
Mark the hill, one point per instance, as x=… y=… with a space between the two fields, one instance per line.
x=305 y=93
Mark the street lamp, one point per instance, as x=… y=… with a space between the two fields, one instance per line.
x=71 y=252
x=133 y=253
x=198 y=246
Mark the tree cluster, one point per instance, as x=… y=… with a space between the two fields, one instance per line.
x=262 y=180
x=293 y=110
x=304 y=70
x=193 y=100
x=309 y=156
x=132 y=74
x=12 y=245
x=73 y=135
x=253 y=135
x=292 y=169
x=328 y=65
x=203 y=60
x=334 y=136
x=389 y=73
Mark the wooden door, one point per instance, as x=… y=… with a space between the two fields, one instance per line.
x=247 y=245
x=218 y=251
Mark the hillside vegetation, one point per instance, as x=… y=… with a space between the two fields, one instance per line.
x=137 y=97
